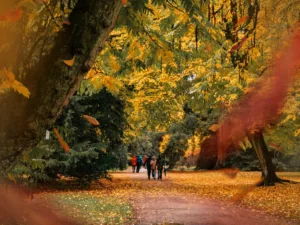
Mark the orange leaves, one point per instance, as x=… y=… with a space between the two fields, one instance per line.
x=238 y=45
x=278 y=148
x=8 y=80
x=63 y=144
x=70 y=62
x=11 y=16
x=208 y=47
x=214 y=127
x=67 y=22
x=125 y=2
x=91 y=120
x=242 y=20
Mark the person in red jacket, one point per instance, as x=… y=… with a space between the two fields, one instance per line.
x=133 y=163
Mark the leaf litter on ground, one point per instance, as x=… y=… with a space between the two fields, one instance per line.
x=110 y=201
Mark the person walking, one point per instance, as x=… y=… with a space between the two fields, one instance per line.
x=144 y=160
x=139 y=163
x=133 y=163
x=148 y=166
x=153 y=167
x=160 y=166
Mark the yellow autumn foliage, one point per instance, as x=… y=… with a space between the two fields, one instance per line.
x=164 y=143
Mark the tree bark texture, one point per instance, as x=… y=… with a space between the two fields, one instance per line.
x=23 y=122
x=257 y=141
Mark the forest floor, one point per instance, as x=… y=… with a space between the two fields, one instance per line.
x=181 y=198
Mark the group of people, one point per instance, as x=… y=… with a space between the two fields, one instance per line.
x=136 y=163
x=151 y=164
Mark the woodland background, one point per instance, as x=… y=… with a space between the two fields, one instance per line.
x=160 y=82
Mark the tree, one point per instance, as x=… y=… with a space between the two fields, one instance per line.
x=51 y=82
x=94 y=149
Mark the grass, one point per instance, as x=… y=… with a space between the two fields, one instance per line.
x=87 y=209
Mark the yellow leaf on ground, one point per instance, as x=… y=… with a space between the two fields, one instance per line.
x=70 y=62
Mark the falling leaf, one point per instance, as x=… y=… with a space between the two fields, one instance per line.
x=11 y=16
x=26 y=157
x=231 y=172
x=125 y=2
x=67 y=22
x=238 y=45
x=236 y=198
x=67 y=11
x=14 y=84
x=91 y=120
x=70 y=62
x=208 y=47
x=214 y=127
x=63 y=144
x=242 y=20
x=11 y=178
x=278 y=148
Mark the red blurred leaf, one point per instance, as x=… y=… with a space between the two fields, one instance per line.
x=264 y=102
x=67 y=22
x=236 y=198
x=208 y=47
x=278 y=148
x=238 y=45
x=125 y=2
x=11 y=16
x=230 y=172
x=15 y=207
x=242 y=20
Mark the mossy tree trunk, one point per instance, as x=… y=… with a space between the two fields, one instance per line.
x=51 y=82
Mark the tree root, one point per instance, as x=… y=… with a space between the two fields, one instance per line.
x=262 y=182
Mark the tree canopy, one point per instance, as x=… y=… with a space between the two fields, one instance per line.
x=179 y=67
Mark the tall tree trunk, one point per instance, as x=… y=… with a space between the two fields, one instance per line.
x=268 y=170
x=52 y=83
x=208 y=156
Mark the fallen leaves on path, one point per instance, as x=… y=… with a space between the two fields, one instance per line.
x=127 y=188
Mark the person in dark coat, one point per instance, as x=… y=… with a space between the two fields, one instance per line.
x=160 y=166
x=148 y=166
x=139 y=163
x=153 y=167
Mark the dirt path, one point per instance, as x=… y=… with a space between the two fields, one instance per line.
x=190 y=210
